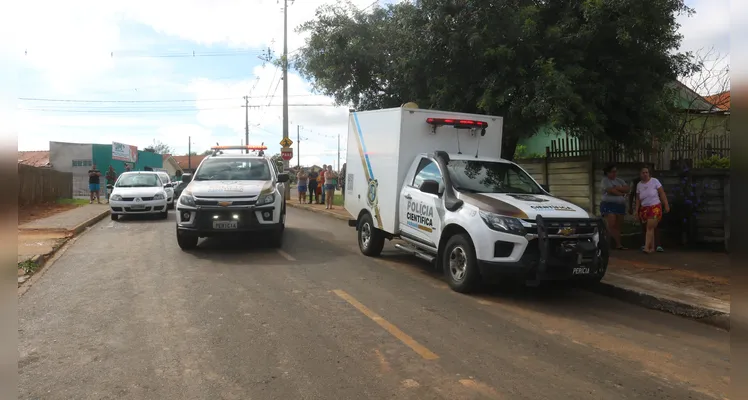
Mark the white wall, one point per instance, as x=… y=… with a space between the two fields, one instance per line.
x=62 y=155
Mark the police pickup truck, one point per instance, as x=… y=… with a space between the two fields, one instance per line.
x=231 y=194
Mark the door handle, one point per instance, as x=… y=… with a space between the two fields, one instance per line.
x=407 y=196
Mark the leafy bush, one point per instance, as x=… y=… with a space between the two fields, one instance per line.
x=520 y=153
x=714 y=161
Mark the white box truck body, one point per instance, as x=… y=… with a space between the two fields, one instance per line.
x=435 y=180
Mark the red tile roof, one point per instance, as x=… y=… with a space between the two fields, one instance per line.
x=34 y=158
x=721 y=100
x=184 y=162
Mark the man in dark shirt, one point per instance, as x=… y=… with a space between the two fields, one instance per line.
x=313 y=175
x=93 y=183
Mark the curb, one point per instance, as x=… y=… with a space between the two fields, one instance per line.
x=318 y=211
x=41 y=260
x=694 y=312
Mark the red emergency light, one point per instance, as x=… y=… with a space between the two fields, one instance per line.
x=247 y=147
x=457 y=123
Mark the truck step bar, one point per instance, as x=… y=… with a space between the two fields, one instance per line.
x=415 y=252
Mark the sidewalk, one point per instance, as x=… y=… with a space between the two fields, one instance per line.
x=693 y=284
x=38 y=240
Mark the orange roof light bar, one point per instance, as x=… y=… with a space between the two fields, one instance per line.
x=247 y=147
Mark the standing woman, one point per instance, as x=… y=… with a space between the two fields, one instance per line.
x=650 y=198
x=613 y=204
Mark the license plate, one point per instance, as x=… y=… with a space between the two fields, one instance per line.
x=138 y=207
x=580 y=271
x=225 y=225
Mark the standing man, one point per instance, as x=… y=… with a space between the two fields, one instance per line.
x=111 y=177
x=128 y=167
x=313 y=186
x=94 y=176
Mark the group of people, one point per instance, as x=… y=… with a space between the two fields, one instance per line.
x=646 y=198
x=94 y=182
x=320 y=185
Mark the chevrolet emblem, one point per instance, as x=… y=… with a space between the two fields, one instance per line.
x=224 y=203
x=566 y=231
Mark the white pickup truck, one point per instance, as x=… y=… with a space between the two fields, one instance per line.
x=435 y=180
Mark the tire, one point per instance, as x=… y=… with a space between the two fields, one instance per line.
x=594 y=279
x=370 y=239
x=170 y=206
x=461 y=264
x=114 y=217
x=186 y=241
x=164 y=215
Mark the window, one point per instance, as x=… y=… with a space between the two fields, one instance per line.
x=233 y=169
x=491 y=177
x=427 y=170
x=138 y=180
x=82 y=163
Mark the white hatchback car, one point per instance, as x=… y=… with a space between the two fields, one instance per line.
x=138 y=192
x=168 y=187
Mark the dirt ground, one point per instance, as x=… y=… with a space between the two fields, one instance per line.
x=38 y=211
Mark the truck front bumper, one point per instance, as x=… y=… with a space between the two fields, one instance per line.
x=556 y=250
x=208 y=222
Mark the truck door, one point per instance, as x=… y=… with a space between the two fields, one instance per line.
x=421 y=213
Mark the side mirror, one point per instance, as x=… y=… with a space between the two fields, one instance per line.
x=186 y=178
x=283 y=177
x=430 y=187
x=546 y=187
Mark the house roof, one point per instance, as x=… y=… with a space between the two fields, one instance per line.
x=34 y=158
x=720 y=100
x=184 y=161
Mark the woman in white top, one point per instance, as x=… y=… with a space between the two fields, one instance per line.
x=650 y=198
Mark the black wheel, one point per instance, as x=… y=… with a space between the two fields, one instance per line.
x=603 y=255
x=115 y=217
x=370 y=239
x=460 y=264
x=186 y=240
x=164 y=215
x=170 y=206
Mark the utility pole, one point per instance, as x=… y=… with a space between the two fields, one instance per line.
x=298 y=147
x=338 y=152
x=285 y=86
x=246 y=123
x=189 y=152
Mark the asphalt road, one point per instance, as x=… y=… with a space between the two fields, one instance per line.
x=125 y=314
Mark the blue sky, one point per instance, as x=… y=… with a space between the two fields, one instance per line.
x=125 y=59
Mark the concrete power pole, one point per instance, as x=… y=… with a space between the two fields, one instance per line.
x=189 y=152
x=285 y=86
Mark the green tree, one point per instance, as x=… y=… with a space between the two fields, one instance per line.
x=591 y=68
x=159 y=148
x=276 y=158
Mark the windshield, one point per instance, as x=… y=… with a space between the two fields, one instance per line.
x=233 y=169
x=139 y=180
x=490 y=177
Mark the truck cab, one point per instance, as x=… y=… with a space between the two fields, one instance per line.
x=475 y=217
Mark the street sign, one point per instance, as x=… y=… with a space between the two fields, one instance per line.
x=286 y=142
x=287 y=153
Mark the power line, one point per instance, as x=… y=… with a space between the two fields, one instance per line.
x=182 y=54
x=153 y=101
x=155 y=110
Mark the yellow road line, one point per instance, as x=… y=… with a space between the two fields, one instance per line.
x=392 y=329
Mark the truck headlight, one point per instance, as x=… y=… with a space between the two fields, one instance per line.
x=116 y=197
x=503 y=224
x=265 y=199
x=159 y=196
x=187 y=200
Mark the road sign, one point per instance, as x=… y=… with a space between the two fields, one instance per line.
x=286 y=142
x=287 y=153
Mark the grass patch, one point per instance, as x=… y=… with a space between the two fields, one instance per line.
x=74 y=202
x=28 y=266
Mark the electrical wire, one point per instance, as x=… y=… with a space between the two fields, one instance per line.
x=152 y=101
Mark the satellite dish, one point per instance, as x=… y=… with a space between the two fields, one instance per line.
x=410 y=104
